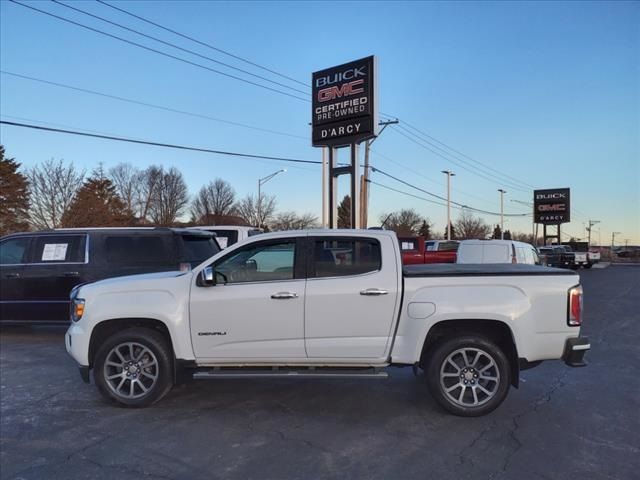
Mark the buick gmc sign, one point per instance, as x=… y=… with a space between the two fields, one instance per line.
x=551 y=206
x=344 y=104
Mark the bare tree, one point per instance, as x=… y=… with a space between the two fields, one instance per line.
x=404 y=222
x=247 y=208
x=148 y=182
x=215 y=199
x=52 y=188
x=168 y=196
x=126 y=178
x=468 y=226
x=293 y=221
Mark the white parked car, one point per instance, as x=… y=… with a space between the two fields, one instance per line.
x=326 y=303
x=497 y=251
x=227 y=235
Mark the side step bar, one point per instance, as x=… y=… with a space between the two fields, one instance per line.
x=234 y=372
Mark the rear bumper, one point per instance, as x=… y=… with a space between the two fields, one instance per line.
x=574 y=350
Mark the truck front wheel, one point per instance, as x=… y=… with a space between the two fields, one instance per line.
x=468 y=375
x=133 y=367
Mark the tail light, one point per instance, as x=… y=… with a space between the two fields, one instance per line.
x=574 y=316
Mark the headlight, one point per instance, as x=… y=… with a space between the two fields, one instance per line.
x=77 y=309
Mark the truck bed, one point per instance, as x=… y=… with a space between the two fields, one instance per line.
x=479 y=270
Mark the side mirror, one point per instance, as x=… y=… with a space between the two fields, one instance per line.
x=207 y=277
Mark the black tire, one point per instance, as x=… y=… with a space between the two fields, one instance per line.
x=441 y=374
x=156 y=359
x=588 y=265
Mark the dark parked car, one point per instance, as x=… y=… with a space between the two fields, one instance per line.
x=557 y=256
x=39 y=269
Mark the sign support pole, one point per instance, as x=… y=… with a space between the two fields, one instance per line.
x=325 y=173
x=355 y=187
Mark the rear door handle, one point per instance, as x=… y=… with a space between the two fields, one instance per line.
x=284 y=295
x=70 y=274
x=12 y=275
x=372 y=292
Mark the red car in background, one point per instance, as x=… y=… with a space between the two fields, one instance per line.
x=417 y=250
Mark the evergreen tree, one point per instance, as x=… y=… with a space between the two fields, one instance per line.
x=425 y=230
x=96 y=204
x=497 y=233
x=14 y=196
x=344 y=212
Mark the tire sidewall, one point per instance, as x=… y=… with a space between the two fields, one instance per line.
x=157 y=344
x=448 y=346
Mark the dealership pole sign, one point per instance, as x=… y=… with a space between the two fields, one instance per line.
x=344 y=104
x=551 y=206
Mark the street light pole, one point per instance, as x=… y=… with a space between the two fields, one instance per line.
x=502 y=192
x=262 y=181
x=449 y=174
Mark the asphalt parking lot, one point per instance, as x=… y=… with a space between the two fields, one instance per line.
x=562 y=423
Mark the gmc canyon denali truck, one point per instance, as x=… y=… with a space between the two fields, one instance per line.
x=326 y=303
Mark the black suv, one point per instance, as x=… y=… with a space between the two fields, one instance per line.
x=39 y=269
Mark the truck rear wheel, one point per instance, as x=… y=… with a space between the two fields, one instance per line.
x=134 y=367
x=468 y=375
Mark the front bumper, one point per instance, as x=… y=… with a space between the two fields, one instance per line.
x=76 y=343
x=574 y=350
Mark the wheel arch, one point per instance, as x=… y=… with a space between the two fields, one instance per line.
x=106 y=328
x=495 y=330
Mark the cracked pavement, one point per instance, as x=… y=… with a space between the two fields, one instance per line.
x=561 y=423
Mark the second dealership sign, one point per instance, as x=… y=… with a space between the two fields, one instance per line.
x=344 y=104
x=551 y=206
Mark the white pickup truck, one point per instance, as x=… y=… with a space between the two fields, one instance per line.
x=326 y=303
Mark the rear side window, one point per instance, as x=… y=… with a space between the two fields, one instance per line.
x=14 y=251
x=197 y=248
x=59 y=249
x=226 y=238
x=134 y=250
x=447 y=246
x=342 y=257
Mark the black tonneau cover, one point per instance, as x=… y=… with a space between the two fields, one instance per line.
x=479 y=270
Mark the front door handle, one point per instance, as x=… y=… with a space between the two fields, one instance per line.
x=70 y=274
x=372 y=292
x=12 y=275
x=284 y=295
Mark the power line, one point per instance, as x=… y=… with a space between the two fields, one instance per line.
x=418 y=142
x=467 y=156
x=428 y=179
x=192 y=52
x=159 y=52
x=208 y=45
x=151 y=105
x=159 y=144
x=479 y=210
x=406 y=193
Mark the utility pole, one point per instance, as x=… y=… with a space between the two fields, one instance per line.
x=262 y=181
x=591 y=224
x=449 y=174
x=364 y=186
x=502 y=192
x=613 y=242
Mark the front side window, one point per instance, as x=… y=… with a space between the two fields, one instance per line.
x=266 y=262
x=408 y=244
x=14 y=251
x=430 y=246
x=59 y=249
x=338 y=257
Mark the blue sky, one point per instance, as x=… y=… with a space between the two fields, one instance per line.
x=548 y=93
